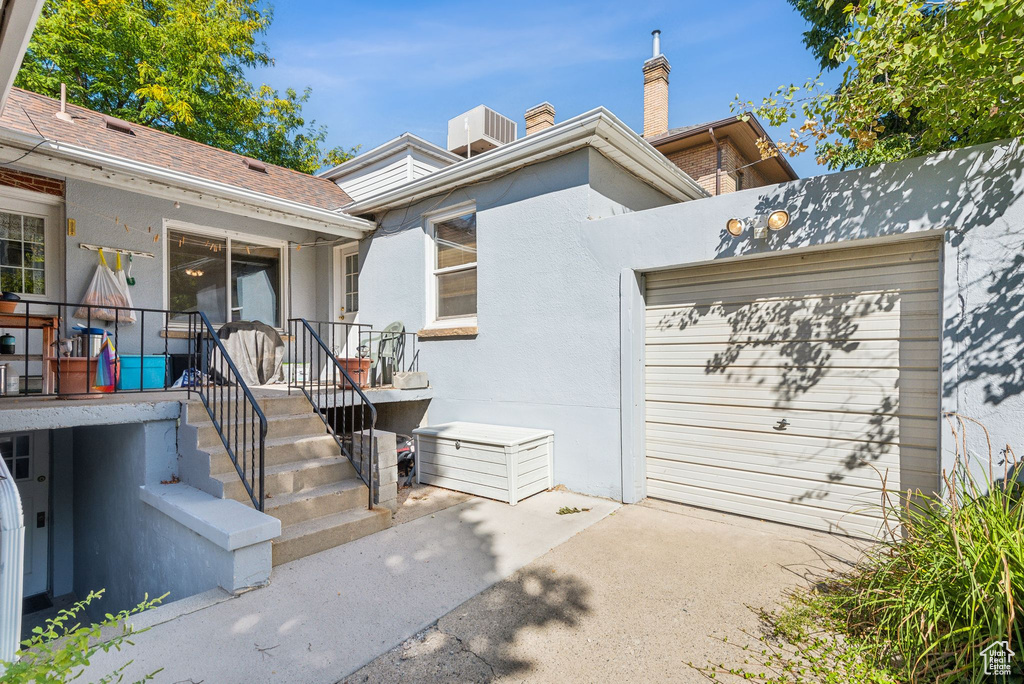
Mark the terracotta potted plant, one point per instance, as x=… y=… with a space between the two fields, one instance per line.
x=9 y=302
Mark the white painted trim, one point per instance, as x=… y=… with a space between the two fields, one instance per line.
x=49 y=208
x=338 y=273
x=228 y=236
x=430 y=219
x=406 y=141
x=631 y=385
x=73 y=161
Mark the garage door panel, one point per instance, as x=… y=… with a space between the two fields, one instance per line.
x=843 y=345
x=834 y=424
x=832 y=496
x=665 y=440
x=678 y=466
x=891 y=353
x=676 y=328
x=847 y=398
x=853 y=522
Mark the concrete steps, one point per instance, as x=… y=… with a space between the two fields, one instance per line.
x=311 y=487
x=319 y=534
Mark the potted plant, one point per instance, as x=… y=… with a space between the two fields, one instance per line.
x=9 y=302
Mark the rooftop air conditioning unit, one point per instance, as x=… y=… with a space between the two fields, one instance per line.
x=478 y=130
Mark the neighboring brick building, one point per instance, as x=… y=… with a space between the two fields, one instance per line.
x=720 y=155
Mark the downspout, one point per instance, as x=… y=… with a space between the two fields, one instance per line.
x=12 y=564
x=718 y=162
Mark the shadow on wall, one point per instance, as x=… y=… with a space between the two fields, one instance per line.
x=808 y=342
x=963 y=191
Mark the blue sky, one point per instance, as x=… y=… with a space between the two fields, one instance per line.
x=380 y=69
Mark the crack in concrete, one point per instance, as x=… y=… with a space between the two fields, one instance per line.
x=465 y=647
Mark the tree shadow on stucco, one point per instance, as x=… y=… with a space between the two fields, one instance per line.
x=966 y=192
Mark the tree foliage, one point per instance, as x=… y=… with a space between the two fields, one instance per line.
x=176 y=65
x=919 y=76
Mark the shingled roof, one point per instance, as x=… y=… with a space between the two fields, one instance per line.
x=33 y=114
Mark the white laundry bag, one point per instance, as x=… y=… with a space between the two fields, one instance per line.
x=107 y=289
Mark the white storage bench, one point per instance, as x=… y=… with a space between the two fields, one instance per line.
x=495 y=461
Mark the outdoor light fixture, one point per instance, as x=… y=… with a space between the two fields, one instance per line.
x=777 y=220
x=735 y=226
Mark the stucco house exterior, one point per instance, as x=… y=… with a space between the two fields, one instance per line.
x=575 y=279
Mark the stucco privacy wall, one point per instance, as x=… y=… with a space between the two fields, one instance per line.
x=95 y=206
x=971 y=197
x=546 y=354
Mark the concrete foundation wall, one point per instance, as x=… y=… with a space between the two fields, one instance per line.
x=122 y=544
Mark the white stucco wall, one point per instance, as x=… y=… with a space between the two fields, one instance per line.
x=541 y=358
x=561 y=245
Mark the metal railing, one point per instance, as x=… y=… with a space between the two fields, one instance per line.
x=48 y=329
x=234 y=411
x=185 y=336
x=336 y=397
x=389 y=352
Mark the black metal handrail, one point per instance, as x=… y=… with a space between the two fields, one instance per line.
x=239 y=420
x=322 y=377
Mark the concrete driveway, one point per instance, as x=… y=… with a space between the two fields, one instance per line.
x=635 y=597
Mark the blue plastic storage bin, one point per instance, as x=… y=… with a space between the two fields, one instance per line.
x=154 y=371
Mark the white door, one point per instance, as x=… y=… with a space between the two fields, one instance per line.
x=27 y=456
x=346 y=297
x=783 y=387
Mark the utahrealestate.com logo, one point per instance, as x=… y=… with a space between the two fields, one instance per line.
x=998 y=659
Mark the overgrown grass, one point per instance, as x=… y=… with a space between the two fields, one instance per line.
x=945 y=582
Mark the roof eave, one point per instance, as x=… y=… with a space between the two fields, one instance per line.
x=86 y=164
x=397 y=144
x=598 y=128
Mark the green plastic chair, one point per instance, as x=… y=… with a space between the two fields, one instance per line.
x=386 y=348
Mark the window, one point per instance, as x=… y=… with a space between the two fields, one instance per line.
x=455 y=267
x=352 y=282
x=219 y=275
x=22 y=254
x=17 y=454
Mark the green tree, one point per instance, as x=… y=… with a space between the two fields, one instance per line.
x=919 y=76
x=176 y=65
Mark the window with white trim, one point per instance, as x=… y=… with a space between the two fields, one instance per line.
x=222 y=274
x=454 y=277
x=22 y=254
x=352 y=282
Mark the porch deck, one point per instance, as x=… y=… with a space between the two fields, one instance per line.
x=52 y=412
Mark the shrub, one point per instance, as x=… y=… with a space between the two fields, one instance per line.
x=60 y=651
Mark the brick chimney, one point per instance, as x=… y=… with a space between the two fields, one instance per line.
x=656 y=91
x=540 y=117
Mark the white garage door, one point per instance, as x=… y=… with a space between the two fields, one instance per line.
x=785 y=387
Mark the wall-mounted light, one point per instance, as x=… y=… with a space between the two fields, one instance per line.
x=777 y=220
x=735 y=226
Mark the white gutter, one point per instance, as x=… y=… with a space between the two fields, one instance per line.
x=87 y=164
x=598 y=128
x=12 y=564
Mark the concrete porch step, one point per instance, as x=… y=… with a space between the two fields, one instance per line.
x=319 y=534
x=317 y=502
x=278 y=451
x=289 y=478
x=277 y=427
x=293 y=405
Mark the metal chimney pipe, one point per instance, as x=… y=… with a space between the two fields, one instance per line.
x=657 y=42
